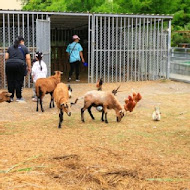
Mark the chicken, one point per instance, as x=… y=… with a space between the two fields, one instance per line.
x=137 y=97
x=99 y=84
x=129 y=104
x=126 y=101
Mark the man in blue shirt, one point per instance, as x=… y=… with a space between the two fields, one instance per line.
x=75 y=56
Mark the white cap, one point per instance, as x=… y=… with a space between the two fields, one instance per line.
x=75 y=37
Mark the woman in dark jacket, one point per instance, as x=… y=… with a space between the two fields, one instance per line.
x=17 y=57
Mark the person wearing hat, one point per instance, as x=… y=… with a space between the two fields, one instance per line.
x=75 y=53
x=18 y=63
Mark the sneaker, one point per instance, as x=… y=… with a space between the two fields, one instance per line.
x=21 y=100
x=69 y=79
x=12 y=100
x=77 y=80
x=34 y=99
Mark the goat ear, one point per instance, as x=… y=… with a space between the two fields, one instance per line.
x=118 y=87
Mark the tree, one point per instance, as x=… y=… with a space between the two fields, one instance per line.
x=46 y=5
x=180 y=9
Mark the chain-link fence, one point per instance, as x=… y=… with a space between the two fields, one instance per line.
x=180 y=62
x=129 y=49
x=120 y=47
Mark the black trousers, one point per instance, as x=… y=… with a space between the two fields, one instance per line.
x=15 y=78
x=76 y=66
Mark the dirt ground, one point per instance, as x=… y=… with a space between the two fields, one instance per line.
x=137 y=153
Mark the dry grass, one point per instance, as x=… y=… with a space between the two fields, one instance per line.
x=136 y=153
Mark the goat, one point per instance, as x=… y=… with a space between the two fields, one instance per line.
x=61 y=96
x=101 y=98
x=5 y=96
x=45 y=86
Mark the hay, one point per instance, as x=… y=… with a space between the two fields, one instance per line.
x=136 y=153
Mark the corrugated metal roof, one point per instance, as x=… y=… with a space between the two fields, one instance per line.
x=88 y=14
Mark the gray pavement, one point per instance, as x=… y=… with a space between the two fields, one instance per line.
x=181 y=78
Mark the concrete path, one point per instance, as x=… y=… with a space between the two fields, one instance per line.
x=181 y=78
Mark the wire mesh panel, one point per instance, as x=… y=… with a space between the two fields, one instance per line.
x=128 y=49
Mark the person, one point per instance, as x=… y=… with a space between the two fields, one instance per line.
x=39 y=70
x=75 y=53
x=18 y=63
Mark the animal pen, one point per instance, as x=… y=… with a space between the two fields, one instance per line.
x=117 y=47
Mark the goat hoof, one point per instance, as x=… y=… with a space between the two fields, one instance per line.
x=93 y=118
x=83 y=121
x=106 y=121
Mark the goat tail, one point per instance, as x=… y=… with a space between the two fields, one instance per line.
x=79 y=98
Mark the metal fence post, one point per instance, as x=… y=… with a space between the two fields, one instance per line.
x=169 y=48
x=92 y=48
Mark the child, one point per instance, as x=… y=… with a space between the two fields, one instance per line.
x=39 y=70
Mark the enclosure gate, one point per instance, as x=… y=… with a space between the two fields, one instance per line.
x=129 y=48
x=43 y=41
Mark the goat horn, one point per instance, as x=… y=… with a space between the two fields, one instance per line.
x=118 y=88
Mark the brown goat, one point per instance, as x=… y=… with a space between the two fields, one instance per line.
x=61 y=96
x=47 y=86
x=101 y=98
x=5 y=96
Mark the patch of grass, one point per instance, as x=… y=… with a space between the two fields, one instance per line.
x=164 y=80
x=21 y=163
x=167 y=179
x=25 y=169
x=29 y=169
